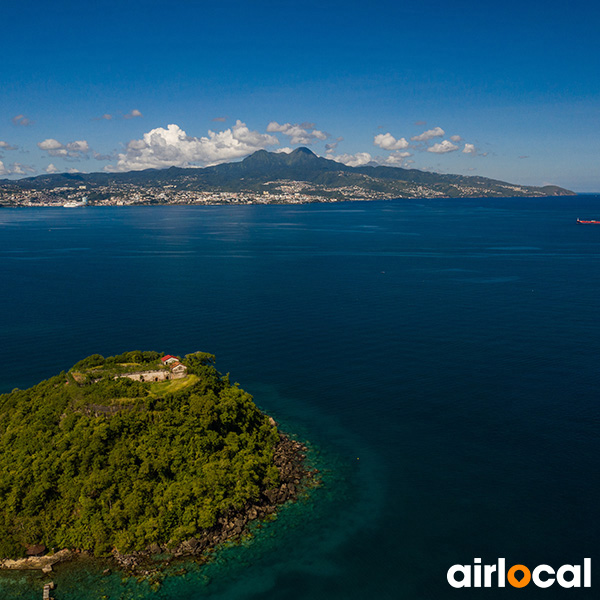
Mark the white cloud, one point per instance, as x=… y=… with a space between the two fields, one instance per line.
x=50 y=144
x=455 y=138
x=428 y=135
x=15 y=169
x=469 y=149
x=51 y=169
x=388 y=142
x=76 y=149
x=73 y=170
x=297 y=133
x=160 y=148
x=353 y=160
x=6 y=146
x=18 y=169
x=331 y=146
x=397 y=158
x=285 y=150
x=443 y=147
x=133 y=114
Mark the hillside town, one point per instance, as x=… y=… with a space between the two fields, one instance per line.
x=272 y=192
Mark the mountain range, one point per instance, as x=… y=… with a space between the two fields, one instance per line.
x=266 y=172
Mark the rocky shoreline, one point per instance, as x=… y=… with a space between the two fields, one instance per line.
x=41 y=563
x=294 y=476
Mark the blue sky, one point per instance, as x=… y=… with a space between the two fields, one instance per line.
x=509 y=90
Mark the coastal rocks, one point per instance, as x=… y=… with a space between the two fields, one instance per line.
x=43 y=563
x=154 y=549
x=288 y=458
x=293 y=474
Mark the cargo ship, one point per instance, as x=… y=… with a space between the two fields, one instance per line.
x=588 y=222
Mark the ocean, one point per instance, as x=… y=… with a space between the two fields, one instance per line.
x=440 y=358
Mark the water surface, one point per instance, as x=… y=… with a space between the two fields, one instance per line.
x=440 y=356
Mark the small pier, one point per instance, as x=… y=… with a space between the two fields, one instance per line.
x=47 y=589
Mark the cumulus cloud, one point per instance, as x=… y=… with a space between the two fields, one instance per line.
x=353 y=160
x=297 y=133
x=455 y=138
x=428 y=135
x=285 y=150
x=331 y=146
x=51 y=169
x=172 y=146
x=73 y=170
x=469 y=149
x=22 y=120
x=50 y=144
x=76 y=149
x=388 y=142
x=15 y=169
x=7 y=146
x=133 y=114
x=19 y=169
x=397 y=158
x=443 y=147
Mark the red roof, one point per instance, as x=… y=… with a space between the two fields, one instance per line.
x=167 y=357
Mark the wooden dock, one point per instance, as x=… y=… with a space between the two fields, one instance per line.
x=47 y=589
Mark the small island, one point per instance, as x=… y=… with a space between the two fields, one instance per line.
x=137 y=455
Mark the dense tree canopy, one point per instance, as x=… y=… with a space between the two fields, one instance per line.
x=92 y=462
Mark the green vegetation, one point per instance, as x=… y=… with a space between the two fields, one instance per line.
x=170 y=387
x=92 y=462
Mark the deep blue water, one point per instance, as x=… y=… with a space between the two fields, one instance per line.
x=441 y=357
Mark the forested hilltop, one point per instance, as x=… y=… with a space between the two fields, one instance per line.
x=98 y=461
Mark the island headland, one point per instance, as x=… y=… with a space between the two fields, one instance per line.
x=136 y=455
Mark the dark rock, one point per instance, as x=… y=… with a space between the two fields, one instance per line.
x=36 y=550
x=154 y=549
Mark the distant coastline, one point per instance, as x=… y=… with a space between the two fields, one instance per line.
x=299 y=177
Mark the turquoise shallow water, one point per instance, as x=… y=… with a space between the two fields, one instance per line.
x=439 y=356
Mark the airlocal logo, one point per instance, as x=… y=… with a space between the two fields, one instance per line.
x=478 y=575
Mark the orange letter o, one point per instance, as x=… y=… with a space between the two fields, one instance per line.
x=514 y=581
